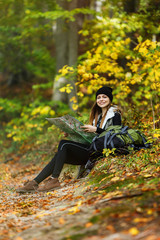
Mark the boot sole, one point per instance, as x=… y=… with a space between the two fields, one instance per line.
x=49 y=189
x=26 y=191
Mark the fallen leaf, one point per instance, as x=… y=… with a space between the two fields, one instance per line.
x=110 y=228
x=147 y=175
x=61 y=221
x=142 y=220
x=76 y=208
x=133 y=231
x=129 y=174
x=150 y=211
x=115 y=179
x=89 y=224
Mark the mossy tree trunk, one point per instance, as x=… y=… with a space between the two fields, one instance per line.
x=66 y=51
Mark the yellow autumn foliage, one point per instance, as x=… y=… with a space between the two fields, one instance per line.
x=132 y=73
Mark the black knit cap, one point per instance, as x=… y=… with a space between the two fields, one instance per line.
x=105 y=90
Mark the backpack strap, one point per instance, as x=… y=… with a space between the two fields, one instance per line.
x=111 y=140
x=147 y=145
x=122 y=131
x=93 y=143
x=130 y=137
x=106 y=138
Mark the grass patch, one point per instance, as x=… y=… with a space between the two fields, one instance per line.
x=80 y=236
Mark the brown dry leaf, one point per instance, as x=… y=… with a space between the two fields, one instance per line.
x=5 y=231
x=41 y=214
x=142 y=220
x=113 y=194
x=63 y=209
x=110 y=228
x=103 y=180
x=79 y=197
x=96 y=211
x=26 y=227
x=10 y=224
x=152 y=237
x=89 y=224
x=75 y=209
x=62 y=221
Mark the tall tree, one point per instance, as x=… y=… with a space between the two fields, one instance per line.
x=25 y=38
x=67 y=48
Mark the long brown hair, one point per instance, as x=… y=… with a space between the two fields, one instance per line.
x=96 y=110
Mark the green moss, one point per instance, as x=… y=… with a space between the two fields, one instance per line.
x=127 y=183
x=120 y=208
x=77 y=228
x=80 y=236
x=95 y=219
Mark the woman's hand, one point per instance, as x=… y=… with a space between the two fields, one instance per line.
x=89 y=128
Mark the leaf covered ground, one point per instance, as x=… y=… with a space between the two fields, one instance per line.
x=119 y=199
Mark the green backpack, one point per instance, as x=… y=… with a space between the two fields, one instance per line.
x=119 y=137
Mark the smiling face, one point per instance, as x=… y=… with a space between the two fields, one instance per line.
x=103 y=101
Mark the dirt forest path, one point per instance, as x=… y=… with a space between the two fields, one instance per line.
x=79 y=210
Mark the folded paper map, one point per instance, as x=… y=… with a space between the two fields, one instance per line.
x=72 y=126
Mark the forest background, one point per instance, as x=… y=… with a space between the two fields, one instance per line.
x=54 y=55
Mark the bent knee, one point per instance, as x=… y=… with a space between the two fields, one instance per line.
x=61 y=143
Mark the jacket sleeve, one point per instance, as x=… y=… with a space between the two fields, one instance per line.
x=116 y=120
x=100 y=130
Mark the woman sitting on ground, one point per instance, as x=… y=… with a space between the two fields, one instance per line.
x=102 y=116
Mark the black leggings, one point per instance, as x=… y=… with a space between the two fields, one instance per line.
x=68 y=152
